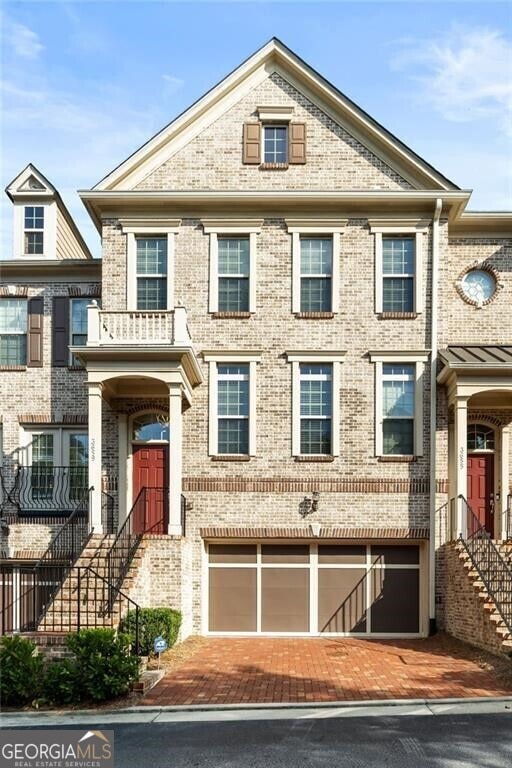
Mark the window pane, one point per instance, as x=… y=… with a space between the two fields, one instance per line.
x=234 y=294
x=315 y=436
x=233 y=398
x=398 y=294
x=151 y=426
x=316 y=255
x=151 y=293
x=398 y=398
x=78 y=467
x=275 y=149
x=316 y=398
x=42 y=466
x=13 y=350
x=152 y=256
x=398 y=255
x=34 y=217
x=234 y=436
x=315 y=294
x=398 y=436
x=13 y=315
x=33 y=243
x=233 y=255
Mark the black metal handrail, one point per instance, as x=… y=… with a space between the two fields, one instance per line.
x=446 y=517
x=507 y=522
x=107 y=512
x=68 y=543
x=491 y=566
x=148 y=514
x=62 y=599
x=46 y=488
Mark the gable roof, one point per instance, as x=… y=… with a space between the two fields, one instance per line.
x=32 y=185
x=274 y=56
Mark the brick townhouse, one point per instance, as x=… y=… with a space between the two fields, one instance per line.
x=282 y=394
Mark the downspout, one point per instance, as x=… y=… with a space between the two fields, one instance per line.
x=433 y=413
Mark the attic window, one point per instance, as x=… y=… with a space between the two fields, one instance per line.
x=275 y=144
x=33 y=230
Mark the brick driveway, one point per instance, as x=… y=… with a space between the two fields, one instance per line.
x=265 y=670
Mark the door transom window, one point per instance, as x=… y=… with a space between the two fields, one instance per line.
x=480 y=438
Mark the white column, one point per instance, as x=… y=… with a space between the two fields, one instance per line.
x=504 y=477
x=93 y=323
x=461 y=464
x=175 y=460
x=95 y=456
x=121 y=472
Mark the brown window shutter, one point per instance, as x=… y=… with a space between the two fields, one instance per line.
x=297 y=143
x=252 y=137
x=35 y=332
x=60 y=335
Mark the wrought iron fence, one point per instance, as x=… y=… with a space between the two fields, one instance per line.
x=492 y=568
x=107 y=512
x=446 y=522
x=507 y=522
x=60 y=599
x=49 y=489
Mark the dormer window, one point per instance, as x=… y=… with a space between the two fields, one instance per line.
x=33 y=231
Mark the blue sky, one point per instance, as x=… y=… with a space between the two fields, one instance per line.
x=83 y=84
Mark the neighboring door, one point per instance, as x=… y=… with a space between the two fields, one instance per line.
x=151 y=472
x=481 y=488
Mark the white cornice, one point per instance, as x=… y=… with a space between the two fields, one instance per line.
x=231 y=356
x=315 y=225
x=235 y=225
x=308 y=356
x=399 y=356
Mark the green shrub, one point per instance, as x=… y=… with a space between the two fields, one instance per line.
x=20 y=671
x=104 y=666
x=61 y=684
x=154 y=622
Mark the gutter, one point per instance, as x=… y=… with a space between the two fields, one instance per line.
x=434 y=345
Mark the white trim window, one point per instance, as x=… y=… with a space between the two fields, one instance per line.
x=315 y=408
x=399 y=403
x=315 y=403
x=232 y=264
x=275 y=144
x=315 y=274
x=77 y=326
x=232 y=403
x=398 y=268
x=234 y=273
x=13 y=332
x=58 y=461
x=151 y=273
x=315 y=264
x=33 y=230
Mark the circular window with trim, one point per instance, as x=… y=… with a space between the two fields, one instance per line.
x=478 y=285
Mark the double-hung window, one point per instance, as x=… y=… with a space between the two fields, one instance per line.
x=78 y=325
x=275 y=144
x=398 y=268
x=233 y=408
x=33 y=230
x=13 y=332
x=57 y=466
x=234 y=271
x=398 y=408
x=315 y=408
x=315 y=274
x=151 y=273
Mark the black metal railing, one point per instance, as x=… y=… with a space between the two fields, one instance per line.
x=148 y=515
x=493 y=570
x=183 y=508
x=107 y=512
x=446 y=522
x=80 y=598
x=44 y=488
x=507 y=519
x=68 y=543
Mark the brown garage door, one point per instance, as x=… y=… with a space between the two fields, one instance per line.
x=357 y=589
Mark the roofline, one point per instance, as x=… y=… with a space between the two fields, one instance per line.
x=30 y=270
x=270 y=49
x=60 y=203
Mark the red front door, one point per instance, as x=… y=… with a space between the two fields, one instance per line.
x=150 y=475
x=481 y=488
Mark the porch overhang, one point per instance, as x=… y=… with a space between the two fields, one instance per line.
x=311 y=532
x=470 y=370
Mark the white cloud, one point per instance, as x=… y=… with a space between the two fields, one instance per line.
x=22 y=40
x=466 y=75
x=173 y=83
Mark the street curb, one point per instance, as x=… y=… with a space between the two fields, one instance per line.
x=268 y=706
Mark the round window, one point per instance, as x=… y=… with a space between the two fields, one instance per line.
x=478 y=285
x=151 y=426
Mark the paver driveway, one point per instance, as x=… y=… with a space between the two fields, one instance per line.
x=263 y=670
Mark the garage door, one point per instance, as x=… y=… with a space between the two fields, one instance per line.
x=317 y=589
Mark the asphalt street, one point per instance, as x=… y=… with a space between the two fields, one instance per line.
x=444 y=741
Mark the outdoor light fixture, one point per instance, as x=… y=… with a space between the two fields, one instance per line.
x=309 y=505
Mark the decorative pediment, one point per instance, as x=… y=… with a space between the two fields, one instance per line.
x=30 y=183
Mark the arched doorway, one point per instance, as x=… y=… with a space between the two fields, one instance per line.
x=481 y=452
x=150 y=472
